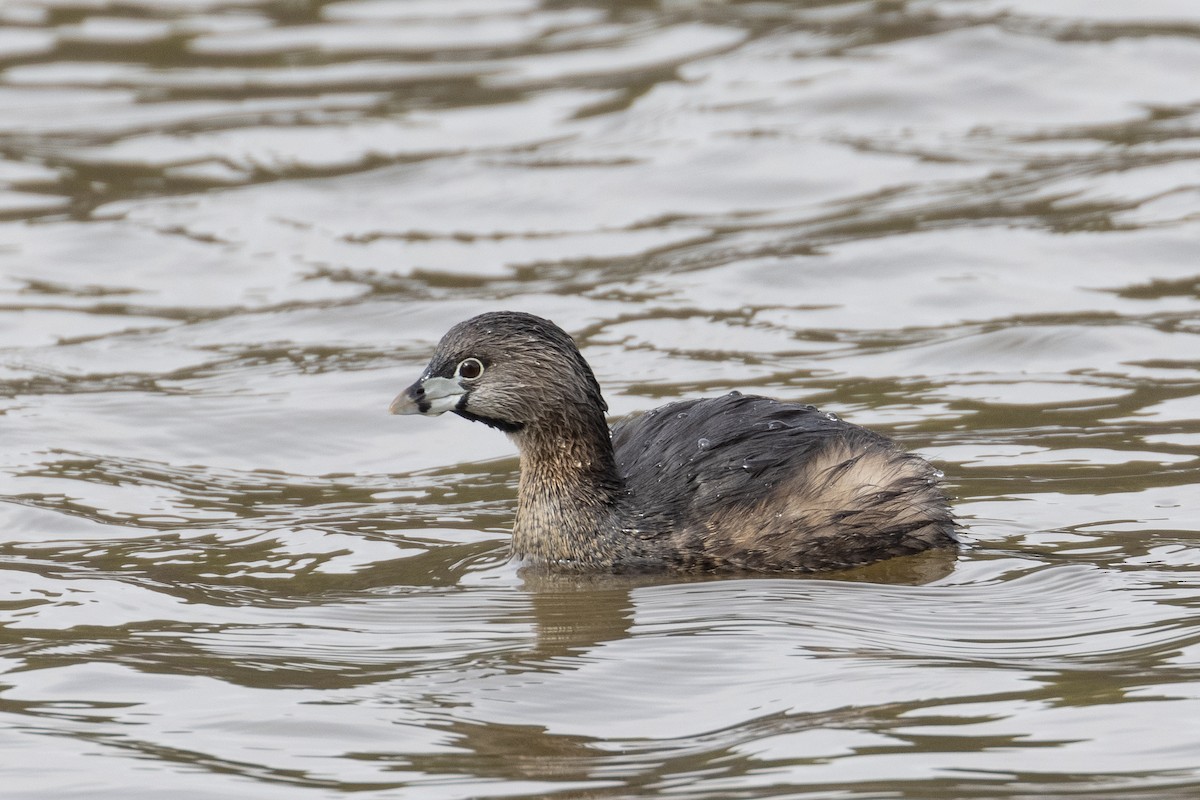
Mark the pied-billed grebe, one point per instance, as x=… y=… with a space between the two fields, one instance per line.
x=734 y=482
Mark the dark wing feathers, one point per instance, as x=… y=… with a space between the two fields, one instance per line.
x=719 y=451
x=750 y=481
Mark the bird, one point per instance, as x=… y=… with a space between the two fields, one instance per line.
x=738 y=482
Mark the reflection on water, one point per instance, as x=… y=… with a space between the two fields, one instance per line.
x=231 y=231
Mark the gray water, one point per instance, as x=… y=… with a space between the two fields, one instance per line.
x=232 y=230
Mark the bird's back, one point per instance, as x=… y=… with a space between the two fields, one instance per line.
x=750 y=482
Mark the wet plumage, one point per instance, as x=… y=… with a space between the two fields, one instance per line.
x=734 y=482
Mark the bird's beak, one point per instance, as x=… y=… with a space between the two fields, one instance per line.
x=429 y=396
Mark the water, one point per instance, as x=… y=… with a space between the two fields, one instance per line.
x=230 y=232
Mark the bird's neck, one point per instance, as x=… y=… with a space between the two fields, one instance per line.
x=571 y=496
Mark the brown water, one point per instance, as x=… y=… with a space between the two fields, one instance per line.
x=231 y=231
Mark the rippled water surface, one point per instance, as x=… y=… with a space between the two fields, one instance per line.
x=232 y=230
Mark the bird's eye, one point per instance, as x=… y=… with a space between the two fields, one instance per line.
x=469 y=369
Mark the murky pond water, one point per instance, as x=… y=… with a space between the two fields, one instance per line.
x=231 y=231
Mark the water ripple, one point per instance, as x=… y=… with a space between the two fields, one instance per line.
x=230 y=232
